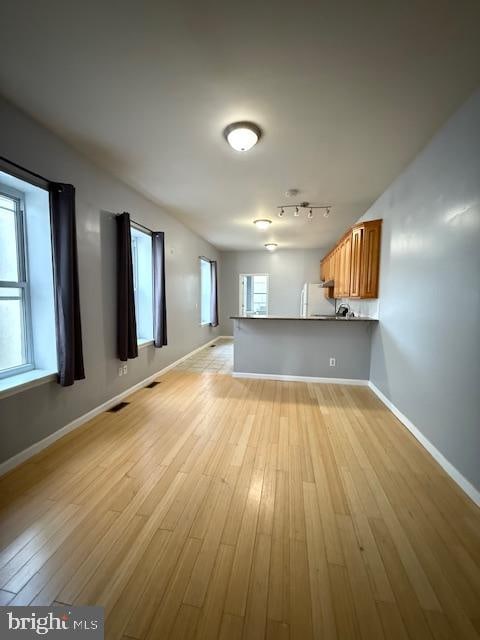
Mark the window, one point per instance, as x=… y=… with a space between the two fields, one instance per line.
x=254 y=294
x=28 y=348
x=205 y=291
x=15 y=319
x=142 y=283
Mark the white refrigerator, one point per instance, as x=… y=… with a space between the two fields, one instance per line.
x=313 y=301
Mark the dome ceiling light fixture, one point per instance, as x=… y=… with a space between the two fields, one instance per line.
x=242 y=136
x=305 y=206
x=262 y=224
x=271 y=246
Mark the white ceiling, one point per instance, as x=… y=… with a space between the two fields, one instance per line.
x=347 y=92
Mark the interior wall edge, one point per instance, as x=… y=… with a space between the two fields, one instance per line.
x=467 y=487
x=425 y=354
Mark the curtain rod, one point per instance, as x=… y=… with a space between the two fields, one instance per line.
x=19 y=166
x=37 y=175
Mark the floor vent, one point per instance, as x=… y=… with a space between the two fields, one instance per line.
x=118 y=407
x=152 y=384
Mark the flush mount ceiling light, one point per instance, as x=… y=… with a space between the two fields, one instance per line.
x=271 y=246
x=262 y=224
x=242 y=136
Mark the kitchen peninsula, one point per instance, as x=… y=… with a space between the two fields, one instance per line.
x=302 y=347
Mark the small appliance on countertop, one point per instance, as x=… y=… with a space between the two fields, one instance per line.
x=344 y=310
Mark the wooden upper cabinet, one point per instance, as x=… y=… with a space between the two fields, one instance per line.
x=323 y=271
x=356 y=262
x=353 y=264
x=370 y=259
x=337 y=271
x=347 y=260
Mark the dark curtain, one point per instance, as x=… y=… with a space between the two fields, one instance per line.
x=67 y=297
x=159 y=297
x=127 y=346
x=214 y=294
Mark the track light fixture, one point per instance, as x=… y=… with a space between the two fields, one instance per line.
x=304 y=205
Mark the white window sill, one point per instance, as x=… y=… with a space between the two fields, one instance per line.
x=22 y=381
x=143 y=343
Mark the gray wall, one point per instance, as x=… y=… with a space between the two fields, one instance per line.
x=31 y=415
x=289 y=269
x=426 y=348
x=303 y=347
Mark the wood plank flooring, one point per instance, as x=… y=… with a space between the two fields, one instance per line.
x=212 y=507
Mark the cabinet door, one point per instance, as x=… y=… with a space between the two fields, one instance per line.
x=356 y=262
x=327 y=272
x=347 y=254
x=370 y=260
x=330 y=267
x=337 y=271
x=341 y=271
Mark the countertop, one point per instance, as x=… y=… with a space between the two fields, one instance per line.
x=309 y=318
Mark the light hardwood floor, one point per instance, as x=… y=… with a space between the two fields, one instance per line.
x=219 y=508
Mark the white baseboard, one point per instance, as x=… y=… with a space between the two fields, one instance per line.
x=285 y=378
x=447 y=466
x=226 y=337
x=24 y=455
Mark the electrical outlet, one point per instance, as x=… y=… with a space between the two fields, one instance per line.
x=120 y=371
x=125 y=369
x=333 y=362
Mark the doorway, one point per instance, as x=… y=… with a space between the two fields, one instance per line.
x=253 y=294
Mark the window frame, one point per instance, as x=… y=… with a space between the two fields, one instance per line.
x=209 y=262
x=141 y=341
x=241 y=291
x=23 y=283
x=135 y=271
